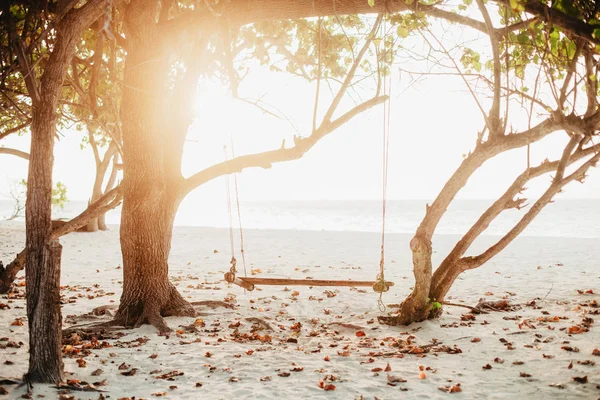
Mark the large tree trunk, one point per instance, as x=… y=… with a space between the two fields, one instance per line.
x=151 y=195
x=43 y=270
x=43 y=254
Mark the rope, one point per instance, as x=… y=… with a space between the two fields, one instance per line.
x=385 y=162
x=233 y=261
x=237 y=202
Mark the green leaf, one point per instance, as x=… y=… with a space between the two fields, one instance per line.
x=596 y=33
x=371 y=3
x=403 y=31
x=571 y=48
x=516 y=5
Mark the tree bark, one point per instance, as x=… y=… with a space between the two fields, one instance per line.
x=146 y=231
x=44 y=317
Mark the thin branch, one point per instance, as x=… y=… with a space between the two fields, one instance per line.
x=570 y=72
x=24 y=61
x=494 y=115
x=483 y=113
x=316 y=107
x=591 y=81
x=566 y=155
x=350 y=74
x=165 y=6
x=15 y=129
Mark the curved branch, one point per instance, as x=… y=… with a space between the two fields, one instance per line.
x=267 y=158
x=536 y=208
x=505 y=202
x=14 y=152
x=107 y=202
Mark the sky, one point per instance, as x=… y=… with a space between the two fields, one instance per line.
x=433 y=124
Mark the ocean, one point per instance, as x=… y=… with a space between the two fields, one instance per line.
x=564 y=218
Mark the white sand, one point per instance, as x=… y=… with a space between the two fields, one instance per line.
x=549 y=269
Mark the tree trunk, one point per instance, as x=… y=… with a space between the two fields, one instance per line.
x=441 y=282
x=42 y=274
x=150 y=188
x=43 y=310
x=416 y=306
x=146 y=231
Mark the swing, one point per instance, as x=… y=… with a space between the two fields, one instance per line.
x=379 y=285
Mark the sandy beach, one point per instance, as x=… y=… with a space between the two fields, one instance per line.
x=326 y=342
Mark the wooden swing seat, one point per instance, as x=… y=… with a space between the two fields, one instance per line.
x=249 y=283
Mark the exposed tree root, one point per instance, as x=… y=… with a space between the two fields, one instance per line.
x=212 y=304
x=79 y=388
x=100 y=327
x=150 y=315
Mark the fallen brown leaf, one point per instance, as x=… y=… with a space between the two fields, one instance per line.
x=580 y=379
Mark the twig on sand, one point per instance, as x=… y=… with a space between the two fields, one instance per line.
x=260 y=322
x=551 y=287
x=475 y=309
x=349 y=326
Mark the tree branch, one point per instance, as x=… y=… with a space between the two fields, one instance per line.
x=267 y=158
x=352 y=71
x=536 y=208
x=15 y=129
x=14 y=152
x=107 y=202
x=488 y=150
x=505 y=202
x=494 y=115
x=569 y=24
x=16 y=42
x=591 y=80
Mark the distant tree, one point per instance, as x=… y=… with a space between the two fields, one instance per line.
x=18 y=195
x=92 y=103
